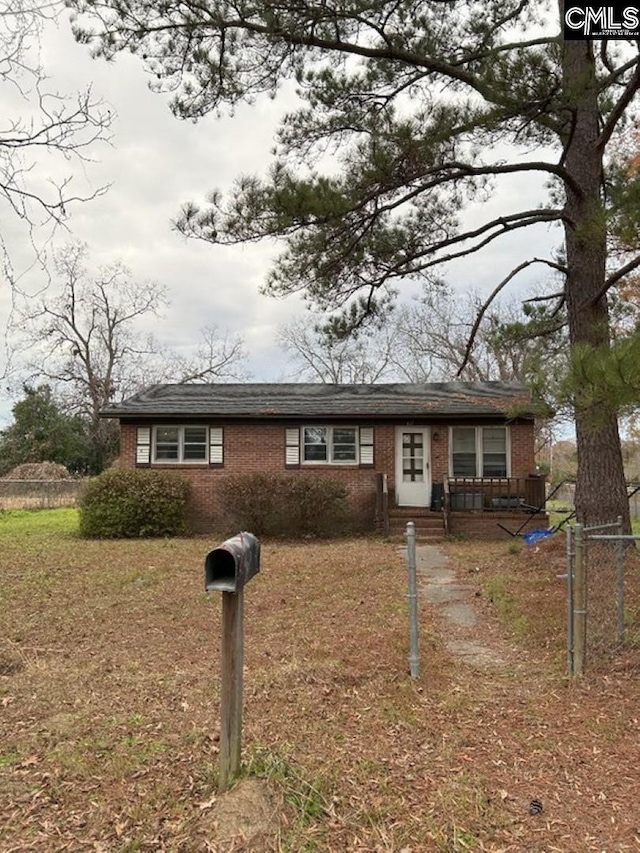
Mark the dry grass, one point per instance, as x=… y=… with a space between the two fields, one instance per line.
x=109 y=665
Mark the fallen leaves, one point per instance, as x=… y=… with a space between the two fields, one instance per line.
x=112 y=741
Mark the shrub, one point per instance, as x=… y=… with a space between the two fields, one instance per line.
x=286 y=504
x=123 y=503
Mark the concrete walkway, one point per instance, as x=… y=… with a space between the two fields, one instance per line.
x=438 y=583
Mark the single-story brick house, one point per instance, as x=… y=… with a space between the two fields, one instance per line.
x=454 y=456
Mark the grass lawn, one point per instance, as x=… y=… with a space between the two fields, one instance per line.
x=109 y=673
x=30 y=523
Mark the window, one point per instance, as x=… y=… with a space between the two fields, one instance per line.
x=463 y=452
x=412 y=457
x=180 y=444
x=330 y=445
x=494 y=452
x=479 y=452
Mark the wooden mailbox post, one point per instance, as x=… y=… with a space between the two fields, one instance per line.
x=227 y=569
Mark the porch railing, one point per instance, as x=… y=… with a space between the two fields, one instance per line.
x=494 y=494
x=382 y=501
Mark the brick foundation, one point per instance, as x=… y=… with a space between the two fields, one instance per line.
x=485 y=525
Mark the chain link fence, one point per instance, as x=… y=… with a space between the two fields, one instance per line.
x=38 y=494
x=603 y=596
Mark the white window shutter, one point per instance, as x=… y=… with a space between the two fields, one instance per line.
x=143 y=446
x=216 y=446
x=292 y=447
x=366 y=445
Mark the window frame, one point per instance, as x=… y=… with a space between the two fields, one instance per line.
x=479 y=450
x=330 y=460
x=181 y=428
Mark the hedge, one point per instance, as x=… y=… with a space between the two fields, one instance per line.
x=121 y=503
x=286 y=505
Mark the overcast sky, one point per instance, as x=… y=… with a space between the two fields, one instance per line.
x=157 y=162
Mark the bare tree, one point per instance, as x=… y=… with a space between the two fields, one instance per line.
x=511 y=341
x=316 y=357
x=218 y=354
x=84 y=336
x=40 y=123
x=428 y=339
x=430 y=336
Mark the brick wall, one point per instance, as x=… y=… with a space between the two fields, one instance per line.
x=523 y=462
x=261 y=447
x=486 y=525
x=439 y=453
x=252 y=447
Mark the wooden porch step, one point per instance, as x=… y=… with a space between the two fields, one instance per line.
x=407 y=513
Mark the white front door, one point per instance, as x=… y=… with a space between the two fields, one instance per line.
x=413 y=474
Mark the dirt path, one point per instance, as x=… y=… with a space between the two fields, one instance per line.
x=438 y=583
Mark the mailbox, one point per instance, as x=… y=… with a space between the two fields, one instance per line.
x=229 y=566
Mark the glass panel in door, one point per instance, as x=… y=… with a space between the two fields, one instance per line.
x=412 y=457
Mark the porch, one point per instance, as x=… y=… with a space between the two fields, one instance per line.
x=493 y=494
x=479 y=507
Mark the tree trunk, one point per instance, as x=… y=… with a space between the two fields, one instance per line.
x=601 y=493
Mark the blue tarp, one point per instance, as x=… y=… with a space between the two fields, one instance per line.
x=537 y=534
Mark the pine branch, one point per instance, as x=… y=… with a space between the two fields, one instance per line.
x=620 y=107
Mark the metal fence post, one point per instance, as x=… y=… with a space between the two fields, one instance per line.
x=579 y=602
x=414 y=660
x=620 y=580
x=570 y=556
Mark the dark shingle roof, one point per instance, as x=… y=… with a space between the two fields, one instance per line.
x=288 y=400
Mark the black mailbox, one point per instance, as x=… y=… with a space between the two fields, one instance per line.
x=229 y=566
